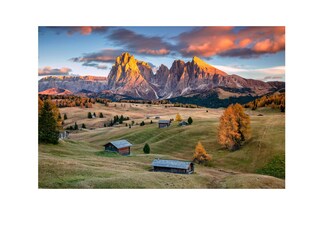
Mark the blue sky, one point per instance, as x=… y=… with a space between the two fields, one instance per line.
x=252 y=52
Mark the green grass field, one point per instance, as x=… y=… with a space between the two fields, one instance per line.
x=80 y=161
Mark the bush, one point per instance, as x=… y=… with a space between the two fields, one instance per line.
x=275 y=168
x=146 y=148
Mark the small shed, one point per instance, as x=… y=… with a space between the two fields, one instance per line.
x=164 y=123
x=120 y=146
x=63 y=134
x=173 y=166
x=183 y=123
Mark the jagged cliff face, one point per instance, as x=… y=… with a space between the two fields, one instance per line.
x=130 y=77
x=134 y=78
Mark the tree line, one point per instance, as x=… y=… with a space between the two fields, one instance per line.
x=274 y=101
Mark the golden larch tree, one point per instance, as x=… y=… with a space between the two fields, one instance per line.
x=178 y=117
x=200 y=155
x=234 y=127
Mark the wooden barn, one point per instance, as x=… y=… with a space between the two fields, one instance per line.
x=120 y=146
x=183 y=123
x=63 y=134
x=173 y=166
x=164 y=123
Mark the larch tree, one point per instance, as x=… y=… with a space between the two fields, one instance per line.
x=178 y=117
x=200 y=155
x=234 y=127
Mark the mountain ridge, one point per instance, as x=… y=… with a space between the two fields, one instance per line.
x=134 y=78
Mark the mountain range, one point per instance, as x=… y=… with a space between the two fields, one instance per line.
x=135 y=79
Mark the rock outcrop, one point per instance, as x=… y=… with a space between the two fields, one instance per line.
x=134 y=78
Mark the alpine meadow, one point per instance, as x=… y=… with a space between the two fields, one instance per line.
x=161 y=107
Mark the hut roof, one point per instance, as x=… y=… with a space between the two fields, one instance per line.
x=170 y=163
x=164 y=121
x=120 y=143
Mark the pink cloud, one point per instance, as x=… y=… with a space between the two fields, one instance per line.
x=53 y=71
x=161 y=51
x=231 y=41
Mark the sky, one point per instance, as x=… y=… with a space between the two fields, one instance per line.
x=250 y=52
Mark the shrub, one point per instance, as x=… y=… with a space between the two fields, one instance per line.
x=146 y=148
x=275 y=168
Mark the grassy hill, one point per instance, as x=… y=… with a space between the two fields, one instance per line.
x=80 y=162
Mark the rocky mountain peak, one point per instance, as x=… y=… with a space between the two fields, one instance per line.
x=202 y=66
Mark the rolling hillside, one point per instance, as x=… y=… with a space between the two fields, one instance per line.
x=80 y=161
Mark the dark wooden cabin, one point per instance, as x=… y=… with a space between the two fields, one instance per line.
x=164 y=123
x=173 y=166
x=120 y=146
x=183 y=123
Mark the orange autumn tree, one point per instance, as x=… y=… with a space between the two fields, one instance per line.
x=200 y=155
x=178 y=118
x=234 y=127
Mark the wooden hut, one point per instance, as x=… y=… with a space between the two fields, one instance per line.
x=63 y=134
x=183 y=123
x=164 y=123
x=120 y=146
x=173 y=166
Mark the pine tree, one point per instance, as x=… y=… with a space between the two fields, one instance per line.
x=89 y=115
x=65 y=116
x=48 y=124
x=83 y=125
x=200 y=155
x=190 y=121
x=146 y=148
x=142 y=123
x=40 y=105
x=104 y=125
x=178 y=118
x=101 y=115
x=94 y=115
x=234 y=127
x=151 y=122
x=76 y=126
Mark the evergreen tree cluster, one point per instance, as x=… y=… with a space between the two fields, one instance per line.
x=49 y=122
x=118 y=119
